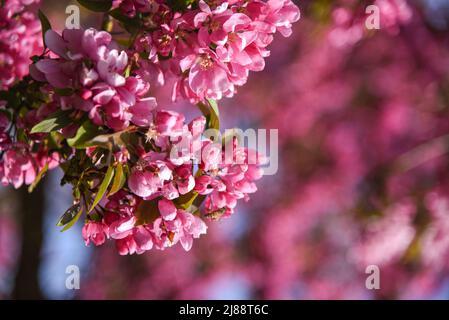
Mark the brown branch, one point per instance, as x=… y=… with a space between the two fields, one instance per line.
x=31 y=211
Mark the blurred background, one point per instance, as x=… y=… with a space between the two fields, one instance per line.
x=363 y=119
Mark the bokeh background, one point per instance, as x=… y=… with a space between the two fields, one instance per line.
x=363 y=119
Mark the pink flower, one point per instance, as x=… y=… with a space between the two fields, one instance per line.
x=209 y=24
x=122 y=227
x=96 y=43
x=90 y=64
x=143 y=238
x=211 y=49
x=197 y=126
x=211 y=156
x=20 y=39
x=281 y=14
x=148 y=177
x=17 y=167
x=231 y=179
x=121 y=204
x=141 y=111
x=169 y=191
x=169 y=123
x=208 y=77
x=126 y=245
x=111 y=66
x=68 y=46
x=139 y=241
x=190 y=227
x=177 y=226
x=167 y=209
x=97 y=232
x=128 y=105
x=184 y=178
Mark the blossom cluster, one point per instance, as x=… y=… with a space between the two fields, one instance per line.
x=91 y=66
x=20 y=38
x=22 y=159
x=164 y=177
x=119 y=223
x=161 y=160
x=209 y=49
x=20 y=165
x=142 y=176
x=85 y=75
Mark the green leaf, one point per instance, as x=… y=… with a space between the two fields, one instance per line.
x=107 y=24
x=185 y=201
x=73 y=221
x=96 y=5
x=108 y=140
x=55 y=121
x=214 y=121
x=65 y=92
x=191 y=201
x=198 y=201
x=69 y=215
x=54 y=140
x=103 y=187
x=119 y=180
x=210 y=111
x=45 y=24
x=86 y=132
x=180 y=5
x=21 y=135
x=38 y=178
x=130 y=24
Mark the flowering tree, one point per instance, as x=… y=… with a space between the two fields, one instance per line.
x=140 y=174
x=362 y=117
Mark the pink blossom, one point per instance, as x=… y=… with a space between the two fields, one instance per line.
x=97 y=232
x=231 y=180
x=126 y=245
x=184 y=178
x=169 y=123
x=174 y=225
x=112 y=66
x=281 y=14
x=17 y=167
x=209 y=23
x=20 y=39
x=90 y=63
x=122 y=227
x=177 y=226
x=139 y=241
x=208 y=77
x=148 y=177
x=210 y=50
x=167 y=209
